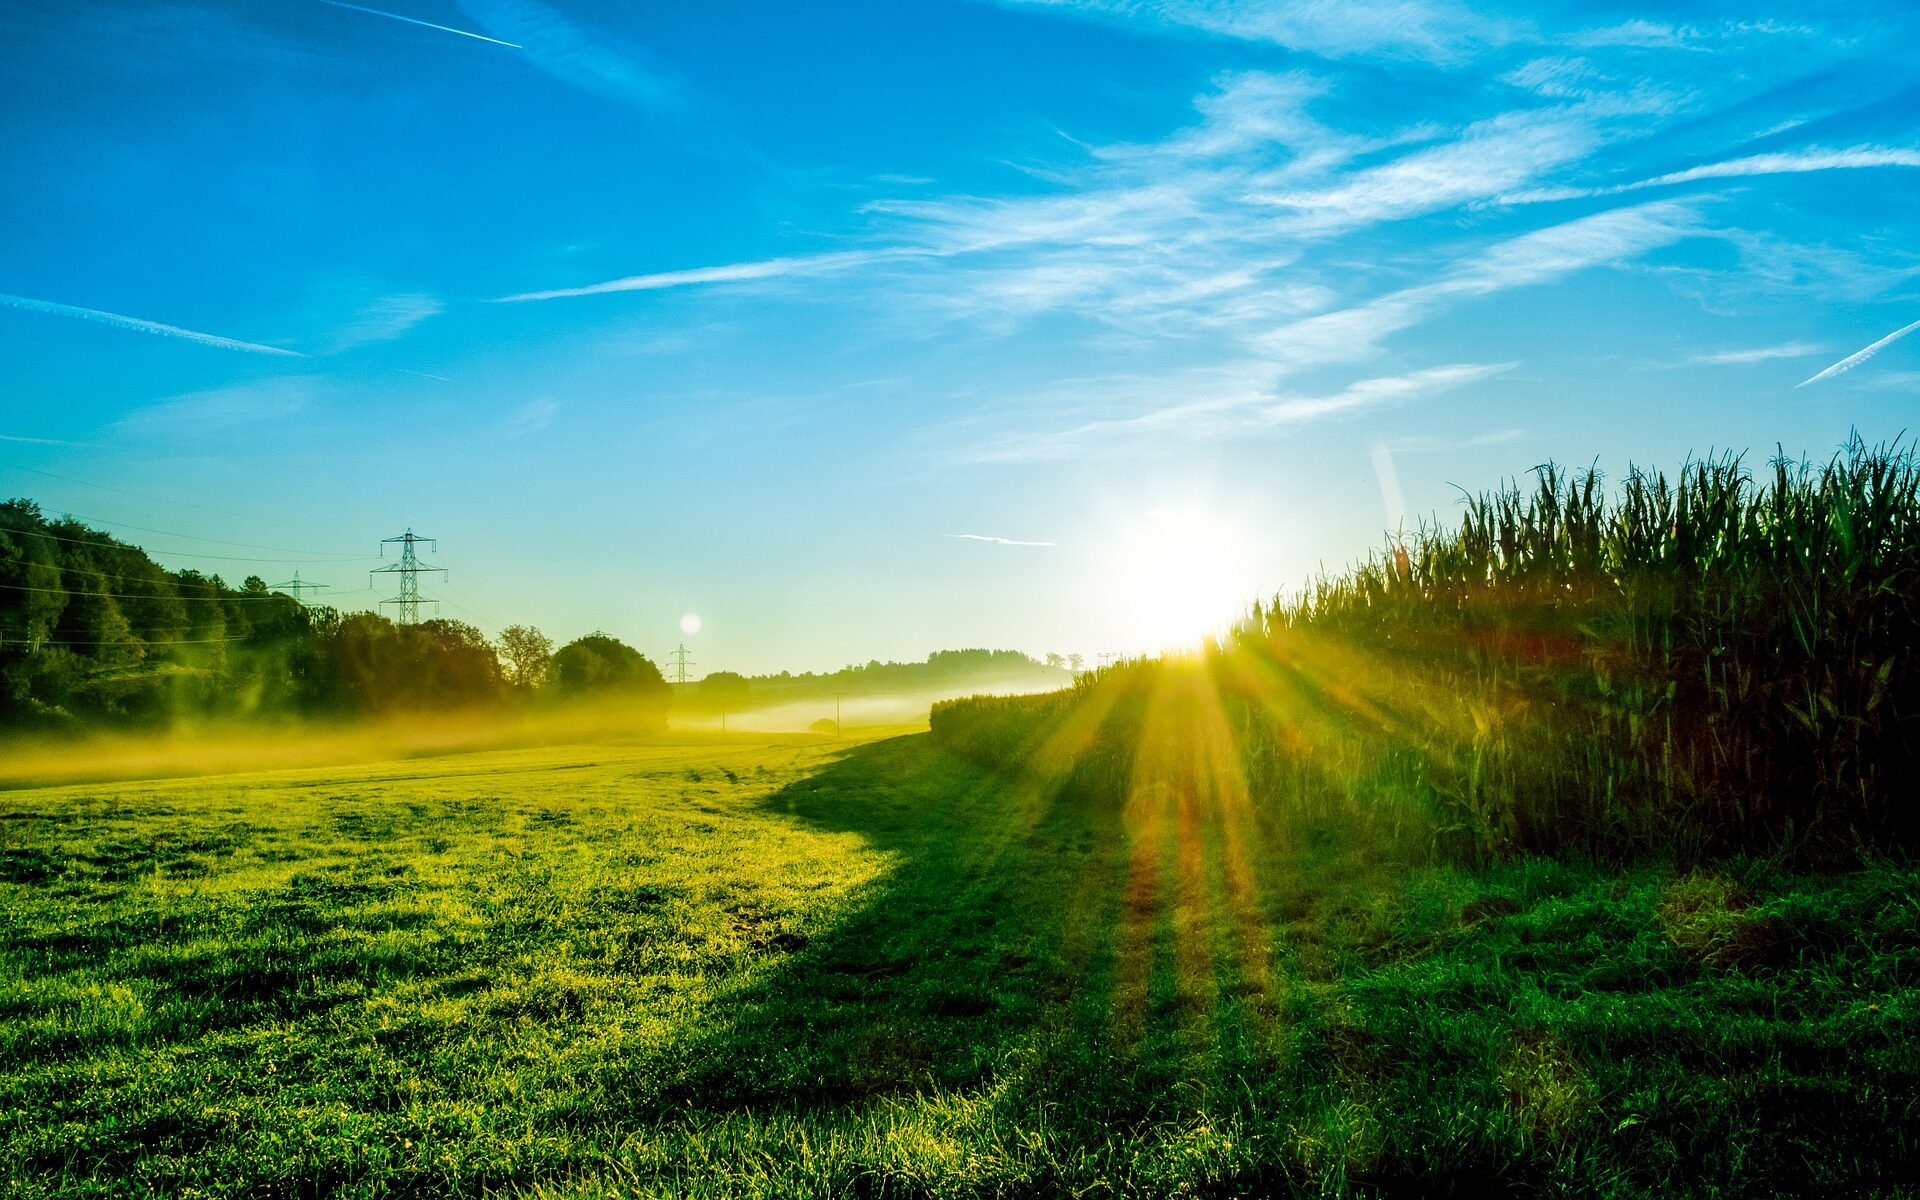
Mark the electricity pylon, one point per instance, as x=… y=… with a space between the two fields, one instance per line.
x=409 y=569
x=680 y=664
x=298 y=588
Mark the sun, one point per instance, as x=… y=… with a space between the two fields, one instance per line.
x=690 y=624
x=1178 y=580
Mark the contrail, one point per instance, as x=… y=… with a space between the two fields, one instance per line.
x=478 y=37
x=998 y=541
x=8 y=437
x=140 y=326
x=1853 y=360
x=771 y=268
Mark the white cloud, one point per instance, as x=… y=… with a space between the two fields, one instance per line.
x=591 y=61
x=1430 y=30
x=1642 y=34
x=1234 y=402
x=744 y=272
x=998 y=541
x=1758 y=354
x=1376 y=393
x=1545 y=255
x=34 y=441
x=1201 y=232
x=386 y=319
x=532 y=417
x=1485 y=159
x=220 y=409
x=1791 y=162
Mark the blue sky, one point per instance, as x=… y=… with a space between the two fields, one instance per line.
x=752 y=310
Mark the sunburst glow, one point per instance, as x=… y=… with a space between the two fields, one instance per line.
x=1177 y=580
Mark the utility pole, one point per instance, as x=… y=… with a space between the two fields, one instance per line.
x=298 y=589
x=680 y=664
x=836 y=713
x=409 y=569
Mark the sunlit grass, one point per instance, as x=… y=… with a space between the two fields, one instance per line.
x=788 y=968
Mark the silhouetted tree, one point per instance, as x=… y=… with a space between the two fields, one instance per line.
x=726 y=689
x=598 y=663
x=528 y=655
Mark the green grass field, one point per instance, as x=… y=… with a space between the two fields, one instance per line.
x=782 y=966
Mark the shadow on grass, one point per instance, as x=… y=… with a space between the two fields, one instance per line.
x=995 y=911
x=1042 y=961
x=1158 y=989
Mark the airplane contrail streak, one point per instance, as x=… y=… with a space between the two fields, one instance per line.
x=1855 y=359
x=140 y=326
x=998 y=541
x=478 y=37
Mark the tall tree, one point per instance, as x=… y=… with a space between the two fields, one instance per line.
x=528 y=655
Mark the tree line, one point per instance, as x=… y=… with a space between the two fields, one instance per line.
x=93 y=631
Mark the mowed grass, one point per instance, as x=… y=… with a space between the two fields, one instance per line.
x=786 y=967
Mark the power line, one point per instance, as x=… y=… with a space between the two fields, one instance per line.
x=409 y=569
x=194 y=537
x=165 y=577
x=118 y=545
x=144 y=644
x=237 y=599
x=473 y=607
x=117 y=491
x=298 y=588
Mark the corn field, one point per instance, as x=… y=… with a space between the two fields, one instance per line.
x=1719 y=661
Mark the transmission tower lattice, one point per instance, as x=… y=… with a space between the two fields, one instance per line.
x=409 y=569
x=298 y=588
x=680 y=664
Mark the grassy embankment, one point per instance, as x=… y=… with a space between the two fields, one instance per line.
x=790 y=967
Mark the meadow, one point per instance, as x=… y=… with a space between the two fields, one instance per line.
x=689 y=964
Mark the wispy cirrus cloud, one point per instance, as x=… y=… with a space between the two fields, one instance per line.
x=1486 y=158
x=1189 y=231
x=1758 y=354
x=387 y=318
x=1235 y=401
x=741 y=272
x=1641 y=33
x=218 y=410
x=1543 y=256
x=1859 y=356
x=375 y=12
x=532 y=417
x=593 y=61
x=1791 y=162
x=1433 y=445
x=140 y=325
x=1274 y=234
x=998 y=541
x=1199 y=231
x=1429 y=30
x=34 y=441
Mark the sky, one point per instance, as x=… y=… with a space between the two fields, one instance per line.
x=863 y=330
